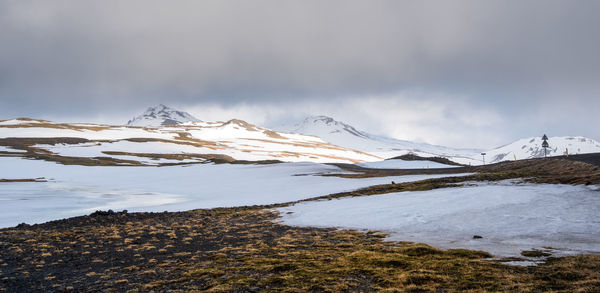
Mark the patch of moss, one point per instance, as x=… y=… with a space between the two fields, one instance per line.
x=535 y=253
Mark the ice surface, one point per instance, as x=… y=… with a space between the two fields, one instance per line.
x=7 y=149
x=510 y=217
x=79 y=190
x=402 y=164
x=521 y=263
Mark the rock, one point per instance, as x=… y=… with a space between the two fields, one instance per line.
x=23 y=225
x=102 y=213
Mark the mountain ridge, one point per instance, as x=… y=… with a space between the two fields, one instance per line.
x=184 y=143
x=346 y=135
x=316 y=138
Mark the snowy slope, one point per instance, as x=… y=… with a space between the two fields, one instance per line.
x=317 y=139
x=345 y=135
x=342 y=134
x=531 y=147
x=161 y=115
x=234 y=139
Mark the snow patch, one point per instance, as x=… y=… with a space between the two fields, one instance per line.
x=510 y=217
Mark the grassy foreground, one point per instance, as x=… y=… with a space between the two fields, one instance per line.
x=244 y=250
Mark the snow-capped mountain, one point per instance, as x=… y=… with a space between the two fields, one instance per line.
x=161 y=115
x=177 y=137
x=189 y=142
x=342 y=134
x=531 y=147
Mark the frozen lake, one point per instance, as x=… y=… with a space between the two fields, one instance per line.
x=79 y=190
x=510 y=217
x=402 y=164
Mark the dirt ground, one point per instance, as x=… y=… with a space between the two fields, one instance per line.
x=245 y=250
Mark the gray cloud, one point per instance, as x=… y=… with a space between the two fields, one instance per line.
x=77 y=58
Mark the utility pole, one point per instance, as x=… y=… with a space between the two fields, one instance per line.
x=483 y=155
x=545 y=144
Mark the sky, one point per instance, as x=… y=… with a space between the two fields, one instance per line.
x=457 y=73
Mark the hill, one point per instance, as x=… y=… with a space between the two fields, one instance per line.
x=345 y=135
x=184 y=143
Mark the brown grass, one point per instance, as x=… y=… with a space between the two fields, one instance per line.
x=242 y=249
x=542 y=170
x=32 y=152
x=24 y=180
x=48 y=124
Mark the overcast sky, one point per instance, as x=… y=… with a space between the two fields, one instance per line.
x=457 y=73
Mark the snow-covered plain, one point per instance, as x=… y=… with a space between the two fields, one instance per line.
x=79 y=190
x=97 y=149
x=403 y=164
x=510 y=217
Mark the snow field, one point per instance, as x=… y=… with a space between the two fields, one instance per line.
x=510 y=217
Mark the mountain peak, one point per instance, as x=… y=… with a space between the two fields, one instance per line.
x=316 y=125
x=322 y=118
x=161 y=115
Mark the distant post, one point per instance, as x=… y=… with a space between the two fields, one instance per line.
x=483 y=155
x=545 y=144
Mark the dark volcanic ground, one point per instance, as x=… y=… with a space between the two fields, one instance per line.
x=126 y=250
x=593 y=159
x=244 y=250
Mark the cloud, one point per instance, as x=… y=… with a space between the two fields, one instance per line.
x=253 y=113
x=439 y=120
x=414 y=115
x=69 y=58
